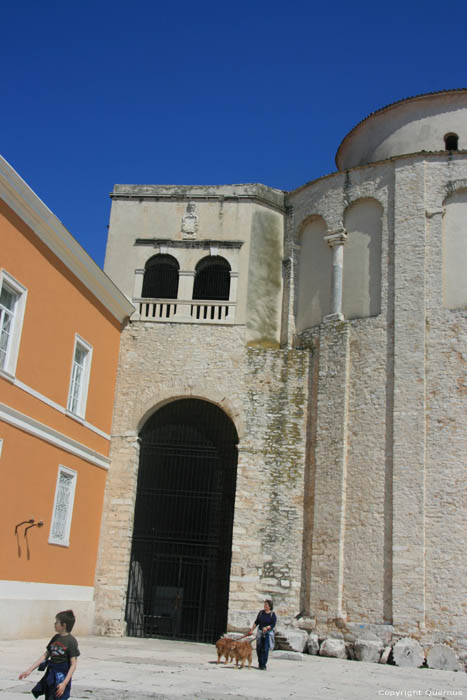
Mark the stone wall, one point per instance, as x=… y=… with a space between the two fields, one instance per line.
x=264 y=392
x=388 y=543
x=350 y=502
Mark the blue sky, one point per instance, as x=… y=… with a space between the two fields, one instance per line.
x=97 y=93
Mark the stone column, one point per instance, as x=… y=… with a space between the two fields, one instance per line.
x=336 y=241
x=327 y=557
x=186 y=280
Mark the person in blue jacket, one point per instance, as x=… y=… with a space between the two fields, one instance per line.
x=265 y=622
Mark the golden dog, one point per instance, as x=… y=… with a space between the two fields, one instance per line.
x=241 y=651
x=224 y=647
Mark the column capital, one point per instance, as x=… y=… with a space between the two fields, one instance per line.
x=336 y=238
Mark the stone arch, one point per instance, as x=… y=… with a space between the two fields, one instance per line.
x=362 y=259
x=314 y=261
x=166 y=393
x=455 y=250
x=228 y=254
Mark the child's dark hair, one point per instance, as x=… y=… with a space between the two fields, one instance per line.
x=67 y=618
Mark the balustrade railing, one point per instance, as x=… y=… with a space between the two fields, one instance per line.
x=183 y=311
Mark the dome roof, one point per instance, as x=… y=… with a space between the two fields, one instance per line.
x=411 y=125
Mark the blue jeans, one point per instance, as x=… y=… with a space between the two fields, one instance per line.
x=262 y=649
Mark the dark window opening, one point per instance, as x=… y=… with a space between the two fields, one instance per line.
x=182 y=537
x=451 y=142
x=212 y=279
x=160 y=278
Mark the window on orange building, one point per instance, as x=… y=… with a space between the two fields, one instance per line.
x=79 y=382
x=12 y=305
x=63 y=507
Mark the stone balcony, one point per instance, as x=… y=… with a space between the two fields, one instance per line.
x=184 y=311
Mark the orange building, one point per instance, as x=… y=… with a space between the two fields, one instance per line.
x=60 y=323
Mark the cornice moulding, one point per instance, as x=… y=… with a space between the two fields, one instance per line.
x=49 y=229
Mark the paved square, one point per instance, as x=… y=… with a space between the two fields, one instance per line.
x=144 y=669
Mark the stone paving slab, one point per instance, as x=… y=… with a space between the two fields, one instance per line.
x=154 y=669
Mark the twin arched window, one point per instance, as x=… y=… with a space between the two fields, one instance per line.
x=212 y=278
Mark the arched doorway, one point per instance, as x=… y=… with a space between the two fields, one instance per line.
x=182 y=537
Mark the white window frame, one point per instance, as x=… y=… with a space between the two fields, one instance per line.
x=70 y=474
x=83 y=389
x=11 y=360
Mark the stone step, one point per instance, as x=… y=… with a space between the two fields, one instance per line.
x=282 y=643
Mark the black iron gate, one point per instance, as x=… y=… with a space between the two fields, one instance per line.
x=180 y=562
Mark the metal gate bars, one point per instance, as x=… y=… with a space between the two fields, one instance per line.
x=181 y=551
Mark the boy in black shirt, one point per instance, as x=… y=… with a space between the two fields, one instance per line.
x=60 y=659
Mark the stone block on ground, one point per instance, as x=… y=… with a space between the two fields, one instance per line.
x=409 y=653
x=312 y=644
x=368 y=650
x=306 y=623
x=385 y=655
x=289 y=655
x=333 y=648
x=291 y=639
x=443 y=658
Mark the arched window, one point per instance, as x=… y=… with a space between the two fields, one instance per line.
x=212 y=279
x=451 y=142
x=160 y=278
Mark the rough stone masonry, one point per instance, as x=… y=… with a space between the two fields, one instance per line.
x=348 y=395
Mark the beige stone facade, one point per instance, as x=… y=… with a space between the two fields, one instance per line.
x=343 y=371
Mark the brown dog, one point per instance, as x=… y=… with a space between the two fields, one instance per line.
x=224 y=647
x=242 y=651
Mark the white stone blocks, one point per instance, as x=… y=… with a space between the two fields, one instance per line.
x=368 y=650
x=442 y=657
x=408 y=653
x=334 y=648
x=312 y=644
x=295 y=639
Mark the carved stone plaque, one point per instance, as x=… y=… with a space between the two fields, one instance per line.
x=190 y=221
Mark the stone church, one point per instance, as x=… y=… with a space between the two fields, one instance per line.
x=291 y=394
